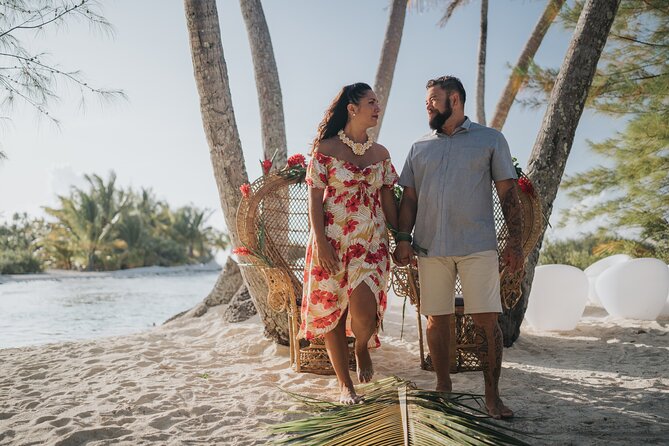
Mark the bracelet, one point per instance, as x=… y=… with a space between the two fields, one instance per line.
x=403 y=237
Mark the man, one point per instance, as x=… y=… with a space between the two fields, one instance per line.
x=447 y=181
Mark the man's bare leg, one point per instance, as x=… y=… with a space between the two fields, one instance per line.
x=363 y=308
x=438 y=341
x=337 y=348
x=489 y=335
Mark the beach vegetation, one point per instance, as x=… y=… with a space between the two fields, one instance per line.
x=103 y=227
x=20 y=245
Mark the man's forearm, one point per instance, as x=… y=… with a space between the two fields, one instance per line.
x=407 y=219
x=512 y=216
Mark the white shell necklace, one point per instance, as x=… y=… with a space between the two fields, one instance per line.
x=358 y=148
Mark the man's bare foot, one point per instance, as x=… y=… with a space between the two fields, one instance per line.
x=365 y=369
x=348 y=396
x=498 y=410
x=445 y=386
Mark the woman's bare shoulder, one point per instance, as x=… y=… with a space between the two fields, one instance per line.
x=382 y=152
x=326 y=147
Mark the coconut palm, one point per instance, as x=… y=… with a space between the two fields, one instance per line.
x=225 y=148
x=272 y=123
x=556 y=135
x=90 y=217
x=519 y=72
x=389 y=53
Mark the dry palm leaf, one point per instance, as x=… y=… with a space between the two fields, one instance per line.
x=396 y=413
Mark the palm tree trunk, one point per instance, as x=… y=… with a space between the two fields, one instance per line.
x=519 y=72
x=480 y=74
x=267 y=82
x=555 y=138
x=389 y=53
x=225 y=148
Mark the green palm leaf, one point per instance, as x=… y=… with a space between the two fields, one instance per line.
x=396 y=413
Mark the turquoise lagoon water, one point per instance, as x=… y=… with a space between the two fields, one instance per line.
x=44 y=309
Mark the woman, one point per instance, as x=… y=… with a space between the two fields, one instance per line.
x=351 y=181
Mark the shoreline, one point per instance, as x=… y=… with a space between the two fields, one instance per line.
x=61 y=274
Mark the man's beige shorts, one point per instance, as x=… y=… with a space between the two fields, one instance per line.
x=479 y=277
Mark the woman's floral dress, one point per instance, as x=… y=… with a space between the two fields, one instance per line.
x=355 y=226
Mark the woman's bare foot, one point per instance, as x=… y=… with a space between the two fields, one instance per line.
x=498 y=410
x=365 y=369
x=348 y=396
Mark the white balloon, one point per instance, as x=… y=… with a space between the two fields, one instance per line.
x=635 y=290
x=558 y=297
x=665 y=310
x=594 y=270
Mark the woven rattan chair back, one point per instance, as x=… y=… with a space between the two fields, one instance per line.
x=273 y=222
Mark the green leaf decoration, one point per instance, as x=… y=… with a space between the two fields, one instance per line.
x=395 y=412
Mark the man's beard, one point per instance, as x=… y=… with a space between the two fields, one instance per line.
x=437 y=121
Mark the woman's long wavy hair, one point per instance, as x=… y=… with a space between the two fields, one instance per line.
x=336 y=115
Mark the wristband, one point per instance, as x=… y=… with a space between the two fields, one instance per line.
x=403 y=237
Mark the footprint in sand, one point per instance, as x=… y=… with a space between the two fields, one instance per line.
x=43 y=419
x=146 y=398
x=90 y=435
x=6 y=415
x=61 y=422
x=167 y=421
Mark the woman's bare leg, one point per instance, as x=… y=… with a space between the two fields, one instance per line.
x=337 y=348
x=362 y=305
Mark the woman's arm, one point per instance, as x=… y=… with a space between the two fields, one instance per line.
x=389 y=206
x=324 y=254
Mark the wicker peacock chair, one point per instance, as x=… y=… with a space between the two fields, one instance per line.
x=273 y=224
x=405 y=282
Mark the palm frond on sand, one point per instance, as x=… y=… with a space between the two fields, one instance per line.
x=395 y=412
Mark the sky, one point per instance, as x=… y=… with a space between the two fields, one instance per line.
x=155 y=138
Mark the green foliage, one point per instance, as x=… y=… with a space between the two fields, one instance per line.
x=20 y=245
x=633 y=71
x=632 y=190
x=583 y=252
x=26 y=74
x=104 y=227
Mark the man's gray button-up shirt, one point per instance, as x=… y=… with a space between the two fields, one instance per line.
x=453 y=178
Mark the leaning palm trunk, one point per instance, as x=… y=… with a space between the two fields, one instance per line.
x=270 y=101
x=395 y=413
x=553 y=144
x=480 y=74
x=519 y=72
x=225 y=147
x=389 y=53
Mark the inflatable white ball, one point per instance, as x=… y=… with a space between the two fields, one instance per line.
x=558 y=297
x=594 y=270
x=665 y=310
x=635 y=290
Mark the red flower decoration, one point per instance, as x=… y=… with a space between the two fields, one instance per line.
x=319 y=273
x=526 y=185
x=325 y=298
x=350 y=226
x=330 y=191
x=352 y=204
x=242 y=251
x=296 y=160
x=245 y=190
x=355 y=251
x=266 y=166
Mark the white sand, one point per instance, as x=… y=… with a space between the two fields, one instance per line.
x=206 y=382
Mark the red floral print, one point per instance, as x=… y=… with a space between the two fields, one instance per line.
x=319 y=273
x=349 y=226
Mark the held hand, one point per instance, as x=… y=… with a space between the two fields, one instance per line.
x=513 y=258
x=326 y=257
x=403 y=253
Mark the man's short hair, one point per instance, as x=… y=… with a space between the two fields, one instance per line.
x=449 y=84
